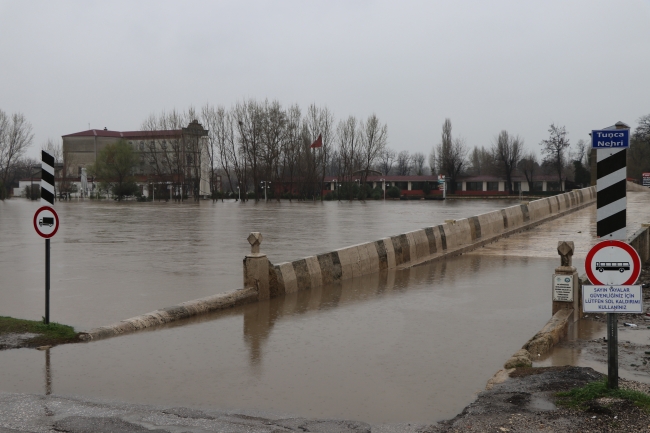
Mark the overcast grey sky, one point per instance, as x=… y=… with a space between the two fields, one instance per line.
x=487 y=65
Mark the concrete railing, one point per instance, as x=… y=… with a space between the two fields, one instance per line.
x=262 y=279
x=419 y=246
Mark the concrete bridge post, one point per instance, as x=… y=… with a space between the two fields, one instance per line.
x=566 y=284
x=256 y=267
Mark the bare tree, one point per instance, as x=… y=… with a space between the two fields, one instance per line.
x=349 y=148
x=166 y=155
x=15 y=136
x=209 y=119
x=386 y=161
x=507 y=151
x=249 y=120
x=403 y=163
x=374 y=137
x=417 y=161
x=528 y=165
x=638 y=155
x=554 y=148
x=291 y=147
x=642 y=132
x=481 y=161
x=274 y=123
x=319 y=122
x=451 y=155
x=432 y=161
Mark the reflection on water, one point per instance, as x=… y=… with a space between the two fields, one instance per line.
x=413 y=345
x=48 y=373
x=111 y=261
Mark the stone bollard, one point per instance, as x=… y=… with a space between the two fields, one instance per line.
x=566 y=284
x=256 y=268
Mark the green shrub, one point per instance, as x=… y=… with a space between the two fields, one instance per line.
x=125 y=189
x=393 y=192
x=580 y=397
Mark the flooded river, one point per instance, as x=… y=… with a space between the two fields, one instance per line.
x=111 y=261
x=402 y=346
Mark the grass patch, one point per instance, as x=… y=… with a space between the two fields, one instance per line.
x=50 y=334
x=579 y=398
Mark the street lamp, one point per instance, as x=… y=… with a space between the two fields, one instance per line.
x=384 y=180
x=266 y=186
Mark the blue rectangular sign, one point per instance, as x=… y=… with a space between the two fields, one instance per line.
x=610 y=139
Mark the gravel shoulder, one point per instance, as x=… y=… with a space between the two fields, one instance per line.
x=526 y=402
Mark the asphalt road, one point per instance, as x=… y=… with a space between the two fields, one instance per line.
x=38 y=413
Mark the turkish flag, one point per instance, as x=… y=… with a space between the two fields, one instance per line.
x=318 y=142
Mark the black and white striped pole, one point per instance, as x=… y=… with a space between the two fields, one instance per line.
x=610 y=145
x=611 y=170
x=46 y=220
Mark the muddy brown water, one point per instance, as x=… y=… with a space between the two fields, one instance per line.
x=403 y=346
x=111 y=261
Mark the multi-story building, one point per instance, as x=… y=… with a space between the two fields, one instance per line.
x=170 y=162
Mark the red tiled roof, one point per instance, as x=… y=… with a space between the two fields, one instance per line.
x=481 y=178
x=391 y=178
x=127 y=134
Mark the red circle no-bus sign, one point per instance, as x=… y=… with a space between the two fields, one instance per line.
x=612 y=263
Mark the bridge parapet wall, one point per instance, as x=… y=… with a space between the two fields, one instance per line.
x=419 y=246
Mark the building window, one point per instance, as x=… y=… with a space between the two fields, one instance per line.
x=142 y=145
x=163 y=144
x=493 y=186
x=474 y=186
x=516 y=186
x=538 y=186
x=459 y=186
x=553 y=186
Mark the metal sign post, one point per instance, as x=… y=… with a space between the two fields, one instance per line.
x=611 y=146
x=442 y=182
x=613 y=267
x=46 y=220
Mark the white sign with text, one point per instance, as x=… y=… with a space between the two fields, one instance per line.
x=612 y=299
x=563 y=288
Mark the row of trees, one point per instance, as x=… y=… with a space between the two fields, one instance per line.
x=506 y=154
x=257 y=142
